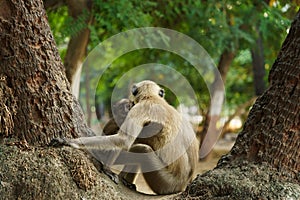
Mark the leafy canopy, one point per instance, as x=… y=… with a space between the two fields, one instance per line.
x=216 y=25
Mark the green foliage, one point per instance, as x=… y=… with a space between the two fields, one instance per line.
x=57 y=20
x=126 y=63
x=217 y=25
x=74 y=26
x=239 y=84
x=112 y=18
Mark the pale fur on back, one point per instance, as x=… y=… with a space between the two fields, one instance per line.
x=176 y=144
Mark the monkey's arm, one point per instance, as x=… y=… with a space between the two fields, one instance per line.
x=111 y=127
x=95 y=142
x=125 y=137
x=112 y=142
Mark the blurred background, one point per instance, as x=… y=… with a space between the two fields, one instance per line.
x=242 y=37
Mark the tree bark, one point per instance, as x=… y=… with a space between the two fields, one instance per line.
x=31 y=64
x=77 y=46
x=278 y=112
x=265 y=160
x=35 y=106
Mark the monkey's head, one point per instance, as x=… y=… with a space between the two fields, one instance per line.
x=145 y=90
x=120 y=110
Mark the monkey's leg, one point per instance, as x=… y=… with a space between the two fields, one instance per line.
x=128 y=176
x=129 y=173
x=138 y=153
x=130 y=169
x=106 y=158
x=156 y=173
x=157 y=176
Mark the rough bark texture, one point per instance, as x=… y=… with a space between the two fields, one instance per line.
x=35 y=106
x=77 y=46
x=271 y=133
x=62 y=173
x=265 y=160
x=34 y=72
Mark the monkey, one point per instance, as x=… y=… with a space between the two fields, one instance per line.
x=154 y=137
x=120 y=110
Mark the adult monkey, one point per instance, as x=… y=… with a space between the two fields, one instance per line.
x=153 y=129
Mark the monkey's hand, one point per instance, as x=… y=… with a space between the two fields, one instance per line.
x=59 y=142
x=114 y=177
x=131 y=186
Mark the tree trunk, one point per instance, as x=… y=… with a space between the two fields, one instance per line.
x=31 y=64
x=258 y=65
x=265 y=160
x=210 y=128
x=35 y=106
x=53 y=4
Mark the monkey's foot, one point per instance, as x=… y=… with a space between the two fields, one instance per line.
x=114 y=177
x=59 y=142
x=129 y=185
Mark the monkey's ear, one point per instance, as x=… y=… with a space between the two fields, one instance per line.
x=134 y=90
x=161 y=92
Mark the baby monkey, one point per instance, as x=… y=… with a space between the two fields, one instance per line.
x=154 y=137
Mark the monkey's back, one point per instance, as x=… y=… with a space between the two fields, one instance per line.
x=161 y=123
x=170 y=132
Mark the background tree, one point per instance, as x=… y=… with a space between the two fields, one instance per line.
x=218 y=26
x=81 y=18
